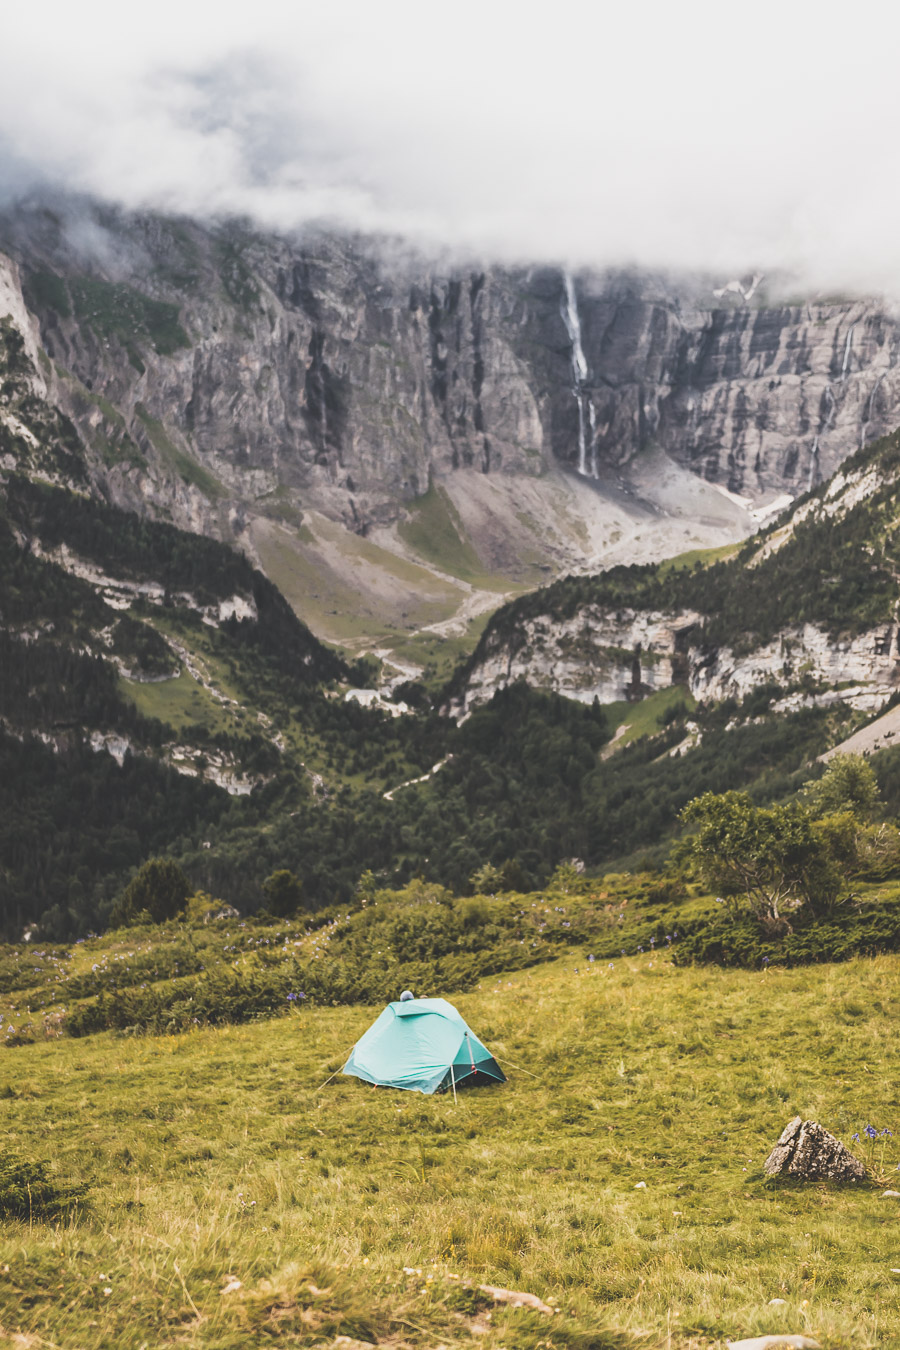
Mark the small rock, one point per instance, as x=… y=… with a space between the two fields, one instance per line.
x=890 y=1195
x=806 y=1150
x=777 y=1302
x=640 y=1185
x=232 y=1284
x=515 y=1299
x=773 y=1342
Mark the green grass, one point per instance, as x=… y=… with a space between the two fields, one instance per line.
x=113 y=309
x=440 y=655
x=215 y=1163
x=180 y=703
x=436 y=532
x=187 y=468
x=317 y=570
x=705 y=556
x=647 y=717
x=44 y=289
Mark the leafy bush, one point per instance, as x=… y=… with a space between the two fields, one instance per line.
x=27 y=1190
x=857 y=931
x=848 y=784
x=163 y=961
x=160 y=889
x=283 y=893
x=420 y=938
x=772 y=858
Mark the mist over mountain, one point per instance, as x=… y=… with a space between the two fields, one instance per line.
x=703 y=138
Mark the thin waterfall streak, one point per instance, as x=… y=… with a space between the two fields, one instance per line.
x=592 y=422
x=847 y=347
x=569 y=310
x=872 y=396
x=573 y=326
x=582 y=447
x=866 y=416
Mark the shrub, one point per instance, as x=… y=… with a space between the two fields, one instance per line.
x=27 y=1190
x=848 y=784
x=772 y=856
x=283 y=893
x=858 y=931
x=160 y=889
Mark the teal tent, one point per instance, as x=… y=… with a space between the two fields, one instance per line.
x=422 y=1044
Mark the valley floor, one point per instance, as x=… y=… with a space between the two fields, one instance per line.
x=234 y=1201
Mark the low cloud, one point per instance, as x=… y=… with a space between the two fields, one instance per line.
x=699 y=136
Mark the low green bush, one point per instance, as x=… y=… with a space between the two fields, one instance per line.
x=28 y=1190
x=861 y=930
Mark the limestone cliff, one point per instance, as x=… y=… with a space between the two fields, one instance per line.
x=625 y=656
x=347 y=373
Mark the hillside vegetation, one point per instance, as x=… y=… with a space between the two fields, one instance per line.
x=195 y=705
x=617 y=1175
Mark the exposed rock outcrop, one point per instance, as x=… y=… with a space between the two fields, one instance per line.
x=347 y=374
x=597 y=654
x=808 y=1152
x=628 y=654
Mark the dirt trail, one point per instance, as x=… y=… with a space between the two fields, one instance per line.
x=410 y=782
x=474 y=603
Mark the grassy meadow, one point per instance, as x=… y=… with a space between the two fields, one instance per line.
x=234 y=1200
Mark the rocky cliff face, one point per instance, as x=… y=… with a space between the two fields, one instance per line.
x=596 y=654
x=207 y=365
x=756 y=399
x=628 y=655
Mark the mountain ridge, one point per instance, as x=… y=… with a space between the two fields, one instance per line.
x=271 y=390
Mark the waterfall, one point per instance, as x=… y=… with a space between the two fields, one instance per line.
x=847 y=351
x=569 y=310
x=813 y=466
x=592 y=422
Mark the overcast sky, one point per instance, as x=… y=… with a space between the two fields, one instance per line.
x=722 y=136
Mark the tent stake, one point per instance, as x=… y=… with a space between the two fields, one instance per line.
x=516 y=1066
x=453 y=1085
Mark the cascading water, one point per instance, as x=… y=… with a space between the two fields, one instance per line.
x=569 y=310
x=592 y=423
x=847 y=352
x=813 y=465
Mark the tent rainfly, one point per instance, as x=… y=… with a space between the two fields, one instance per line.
x=422 y=1044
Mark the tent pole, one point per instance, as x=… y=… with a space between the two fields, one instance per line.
x=453 y=1085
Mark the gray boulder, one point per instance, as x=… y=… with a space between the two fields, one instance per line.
x=809 y=1152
